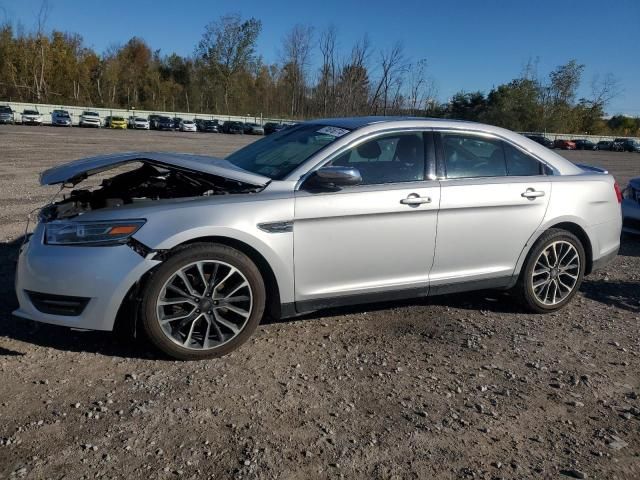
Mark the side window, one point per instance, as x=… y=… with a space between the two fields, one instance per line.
x=472 y=156
x=521 y=164
x=392 y=158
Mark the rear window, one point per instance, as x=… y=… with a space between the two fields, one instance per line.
x=5 y=110
x=90 y=114
x=469 y=156
x=118 y=119
x=31 y=112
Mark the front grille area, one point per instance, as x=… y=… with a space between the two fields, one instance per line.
x=58 y=304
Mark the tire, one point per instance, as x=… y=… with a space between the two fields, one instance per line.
x=225 y=329
x=536 y=299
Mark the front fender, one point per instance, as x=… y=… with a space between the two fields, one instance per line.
x=170 y=229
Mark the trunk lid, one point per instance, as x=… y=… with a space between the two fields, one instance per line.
x=75 y=172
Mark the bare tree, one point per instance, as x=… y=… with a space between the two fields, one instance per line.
x=327 y=81
x=393 y=67
x=296 y=55
x=41 y=43
x=352 y=88
x=604 y=89
x=227 y=47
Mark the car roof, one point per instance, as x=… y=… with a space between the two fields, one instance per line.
x=353 y=123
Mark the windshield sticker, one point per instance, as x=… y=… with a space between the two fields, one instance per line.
x=333 y=131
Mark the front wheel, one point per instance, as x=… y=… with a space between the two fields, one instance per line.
x=553 y=271
x=203 y=302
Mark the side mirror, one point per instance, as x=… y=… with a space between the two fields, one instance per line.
x=334 y=178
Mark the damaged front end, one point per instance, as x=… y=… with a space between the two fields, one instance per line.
x=150 y=177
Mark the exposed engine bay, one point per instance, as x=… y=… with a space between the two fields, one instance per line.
x=146 y=183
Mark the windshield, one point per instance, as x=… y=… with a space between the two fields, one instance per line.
x=90 y=114
x=279 y=154
x=117 y=119
x=5 y=110
x=31 y=112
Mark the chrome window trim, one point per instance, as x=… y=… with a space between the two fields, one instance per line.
x=430 y=165
x=495 y=136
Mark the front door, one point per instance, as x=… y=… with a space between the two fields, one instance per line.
x=371 y=241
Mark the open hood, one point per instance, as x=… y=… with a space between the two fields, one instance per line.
x=79 y=170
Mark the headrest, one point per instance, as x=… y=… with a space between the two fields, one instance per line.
x=369 y=150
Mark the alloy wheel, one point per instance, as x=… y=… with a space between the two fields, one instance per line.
x=204 y=305
x=555 y=273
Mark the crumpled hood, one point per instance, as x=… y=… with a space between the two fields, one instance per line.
x=78 y=170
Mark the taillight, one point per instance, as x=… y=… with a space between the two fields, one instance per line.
x=616 y=187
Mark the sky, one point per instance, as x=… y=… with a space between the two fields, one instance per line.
x=468 y=45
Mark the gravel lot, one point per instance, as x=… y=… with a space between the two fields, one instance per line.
x=461 y=386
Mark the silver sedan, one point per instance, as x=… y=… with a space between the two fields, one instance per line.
x=197 y=250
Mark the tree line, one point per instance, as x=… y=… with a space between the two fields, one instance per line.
x=225 y=75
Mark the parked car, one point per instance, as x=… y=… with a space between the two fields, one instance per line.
x=542 y=140
x=187 y=126
x=618 y=144
x=31 y=117
x=271 y=127
x=6 y=115
x=60 y=118
x=115 y=122
x=232 y=127
x=164 y=123
x=630 y=145
x=138 y=123
x=583 y=144
x=357 y=192
x=604 y=145
x=253 y=129
x=176 y=123
x=153 y=121
x=564 y=144
x=631 y=207
x=89 y=119
x=207 y=125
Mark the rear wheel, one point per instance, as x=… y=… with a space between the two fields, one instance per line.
x=553 y=271
x=203 y=302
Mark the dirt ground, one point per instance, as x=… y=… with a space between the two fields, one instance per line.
x=460 y=386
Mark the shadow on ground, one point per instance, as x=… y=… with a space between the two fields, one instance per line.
x=51 y=336
x=620 y=294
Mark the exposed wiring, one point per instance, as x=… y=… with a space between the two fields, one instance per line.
x=37 y=209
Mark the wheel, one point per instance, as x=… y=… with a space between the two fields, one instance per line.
x=203 y=302
x=553 y=271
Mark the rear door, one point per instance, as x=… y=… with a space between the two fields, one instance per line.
x=493 y=198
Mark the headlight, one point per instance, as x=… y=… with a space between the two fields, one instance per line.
x=91 y=233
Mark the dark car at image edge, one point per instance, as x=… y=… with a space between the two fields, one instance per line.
x=542 y=140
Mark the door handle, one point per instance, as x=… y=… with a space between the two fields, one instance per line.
x=530 y=193
x=415 y=199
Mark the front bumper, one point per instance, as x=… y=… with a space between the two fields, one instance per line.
x=102 y=275
x=631 y=216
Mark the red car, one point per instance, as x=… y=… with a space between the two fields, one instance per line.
x=564 y=144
